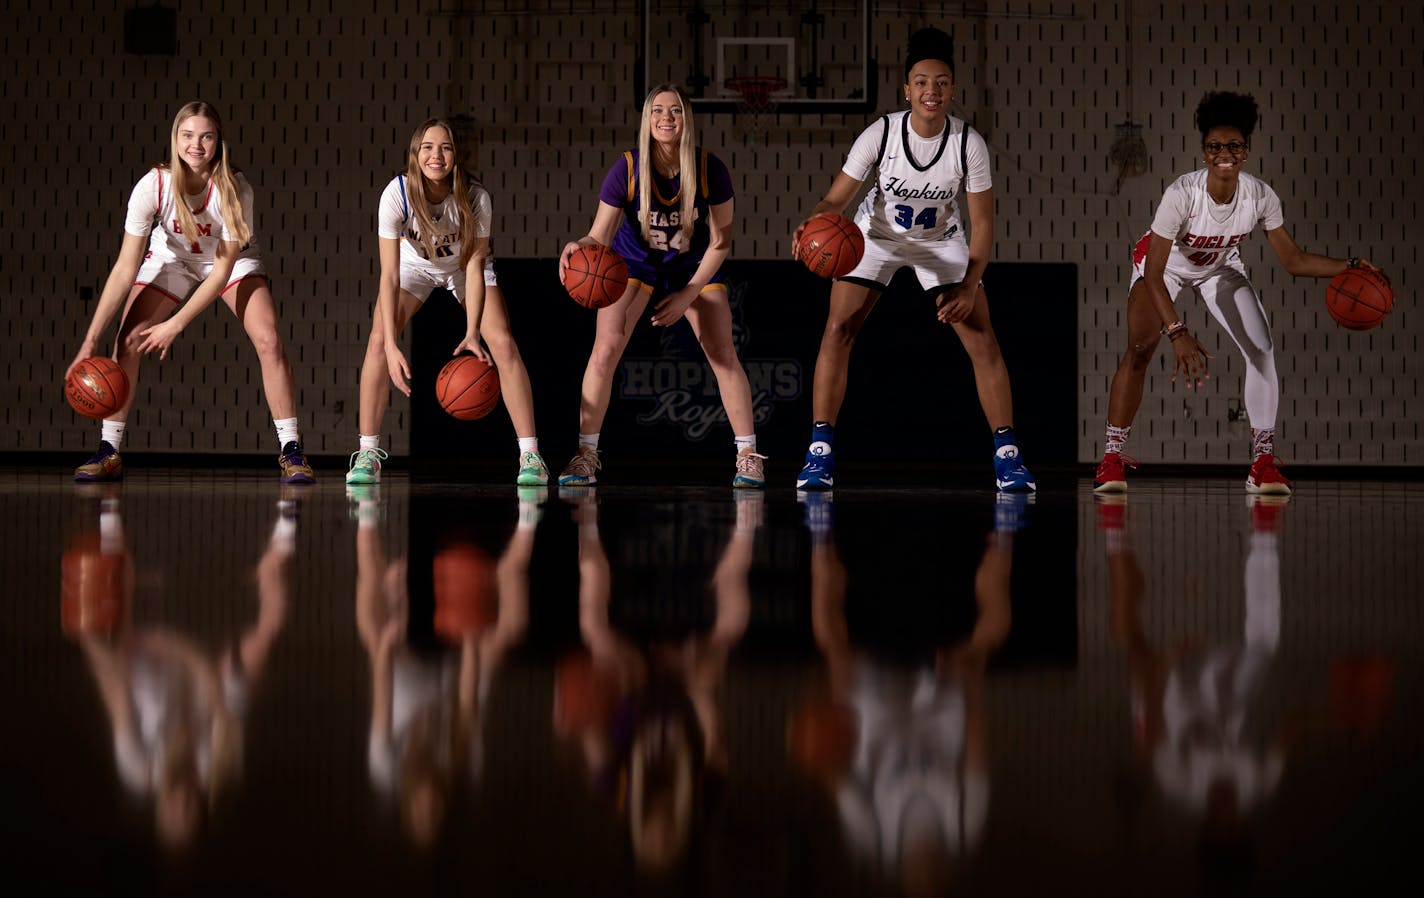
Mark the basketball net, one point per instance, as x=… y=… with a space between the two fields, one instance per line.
x=756 y=103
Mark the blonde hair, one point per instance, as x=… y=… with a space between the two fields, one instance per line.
x=687 y=164
x=222 y=173
x=461 y=184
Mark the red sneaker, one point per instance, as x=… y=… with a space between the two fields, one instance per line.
x=1111 y=476
x=1266 y=477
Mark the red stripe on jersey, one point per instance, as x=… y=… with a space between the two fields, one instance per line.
x=1139 y=251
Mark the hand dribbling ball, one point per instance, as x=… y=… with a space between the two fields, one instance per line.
x=467 y=388
x=831 y=245
x=1359 y=298
x=596 y=276
x=97 y=387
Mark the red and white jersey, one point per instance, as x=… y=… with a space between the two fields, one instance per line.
x=917 y=178
x=1206 y=234
x=152 y=203
x=396 y=220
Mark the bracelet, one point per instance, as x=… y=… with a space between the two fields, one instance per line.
x=1177 y=333
x=1176 y=327
x=1352 y=262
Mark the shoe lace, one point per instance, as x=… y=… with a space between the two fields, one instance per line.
x=368 y=457
x=750 y=463
x=532 y=460
x=585 y=462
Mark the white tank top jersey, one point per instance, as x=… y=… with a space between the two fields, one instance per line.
x=396 y=220
x=152 y=203
x=1205 y=234
x=913 y=197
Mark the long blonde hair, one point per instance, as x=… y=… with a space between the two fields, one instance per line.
x=461 y=184
x=222 y=173
x=687 y=163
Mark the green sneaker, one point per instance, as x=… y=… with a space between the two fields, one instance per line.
x=532 y=470
x=366 y=466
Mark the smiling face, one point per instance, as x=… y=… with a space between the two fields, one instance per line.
x=436 y=153
x=929 y=88
x=198 y=140
x=1225 y=149
x=665 y=121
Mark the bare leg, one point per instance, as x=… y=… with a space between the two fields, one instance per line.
x=375 y=376
x=991 y=376
x=513 y=376
x=850 y=304
x=146 y=307
x=251 y=301
x=1144 y=331
x=711 y=318
x=615 y=326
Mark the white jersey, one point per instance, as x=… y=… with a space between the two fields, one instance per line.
x=152 y=203
x=918 y=178
x=396 y=220
x=1206 y=235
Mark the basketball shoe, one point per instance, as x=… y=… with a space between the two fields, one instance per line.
x=366 y=466
x=103 y=466
x=1111 y=475
x=820 y=470
x=294 y=464
x=1010 y=475
x=532 y=470
x=1011 y=511
x=751 y=471
x=819 y=513
x=1266 y=477
x=364 y=502
x=582 y=469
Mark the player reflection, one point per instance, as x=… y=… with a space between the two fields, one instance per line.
x=176 y=708
x=1200 y=722
x=901 y=744
x=426 y=735
x=647 y=714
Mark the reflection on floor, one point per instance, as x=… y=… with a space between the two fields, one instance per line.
x=217 y=684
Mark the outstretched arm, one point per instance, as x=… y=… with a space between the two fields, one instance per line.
x=1300 y=263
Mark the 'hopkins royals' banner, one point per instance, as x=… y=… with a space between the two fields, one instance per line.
x=911 y=393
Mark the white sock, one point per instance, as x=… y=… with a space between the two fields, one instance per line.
x=286 y=431
x=589 y=439
x=369 y=441
x=113 y=433
x=746 y=442
x=528 y=444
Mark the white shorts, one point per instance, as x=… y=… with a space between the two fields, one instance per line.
x=937 y=263
x=420 y=280
x=1226 y=279
x=177 y=280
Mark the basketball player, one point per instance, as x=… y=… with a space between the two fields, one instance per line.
x=1193 y=242
x=674 y=233
x=177 y=257
x=923 y=158
x=434 y=226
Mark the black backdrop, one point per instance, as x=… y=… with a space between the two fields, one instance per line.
x=911 y=396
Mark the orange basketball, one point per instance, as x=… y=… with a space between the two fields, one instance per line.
x=467 y=388
x=831 y=245
x=596 y=276
x=94 y=588
x=466 y=598
x=97 y=387
x=1359 y=298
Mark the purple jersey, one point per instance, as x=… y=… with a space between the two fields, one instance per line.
x=666 y=252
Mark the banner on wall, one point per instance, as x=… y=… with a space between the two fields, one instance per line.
x=911 y=393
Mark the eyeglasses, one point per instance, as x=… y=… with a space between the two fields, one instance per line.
x=1235 y=148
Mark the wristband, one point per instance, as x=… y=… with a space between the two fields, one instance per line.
x=1177 y=333
x=1352 y=262
x=1176 y=327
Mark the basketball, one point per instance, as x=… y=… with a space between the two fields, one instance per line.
x=466 y=598
x=94 y=588
x=831 y=245
x=1359 y=298
x=97 y=387
x=467 y=388
x=596 y=276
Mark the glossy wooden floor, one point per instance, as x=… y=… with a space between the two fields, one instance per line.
x=217 y=685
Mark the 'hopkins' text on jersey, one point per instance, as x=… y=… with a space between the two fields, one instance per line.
x=895 y=186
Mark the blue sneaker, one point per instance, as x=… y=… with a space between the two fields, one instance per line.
x=1011 y=511
x=819 y=512
x=819 y=472
x=1010 y=475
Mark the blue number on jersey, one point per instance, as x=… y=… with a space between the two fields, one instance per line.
x=926 y=218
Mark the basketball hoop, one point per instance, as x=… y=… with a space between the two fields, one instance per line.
x=756 y=102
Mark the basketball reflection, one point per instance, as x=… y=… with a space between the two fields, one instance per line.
x=645 y=712
x=897 y=738
x=176 y=709
x=437 y=629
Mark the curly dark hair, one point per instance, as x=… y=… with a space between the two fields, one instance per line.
x=1223 y=109
x=929 y=43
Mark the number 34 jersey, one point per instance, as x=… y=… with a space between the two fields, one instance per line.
x=918 y=179
x=1205 y=234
